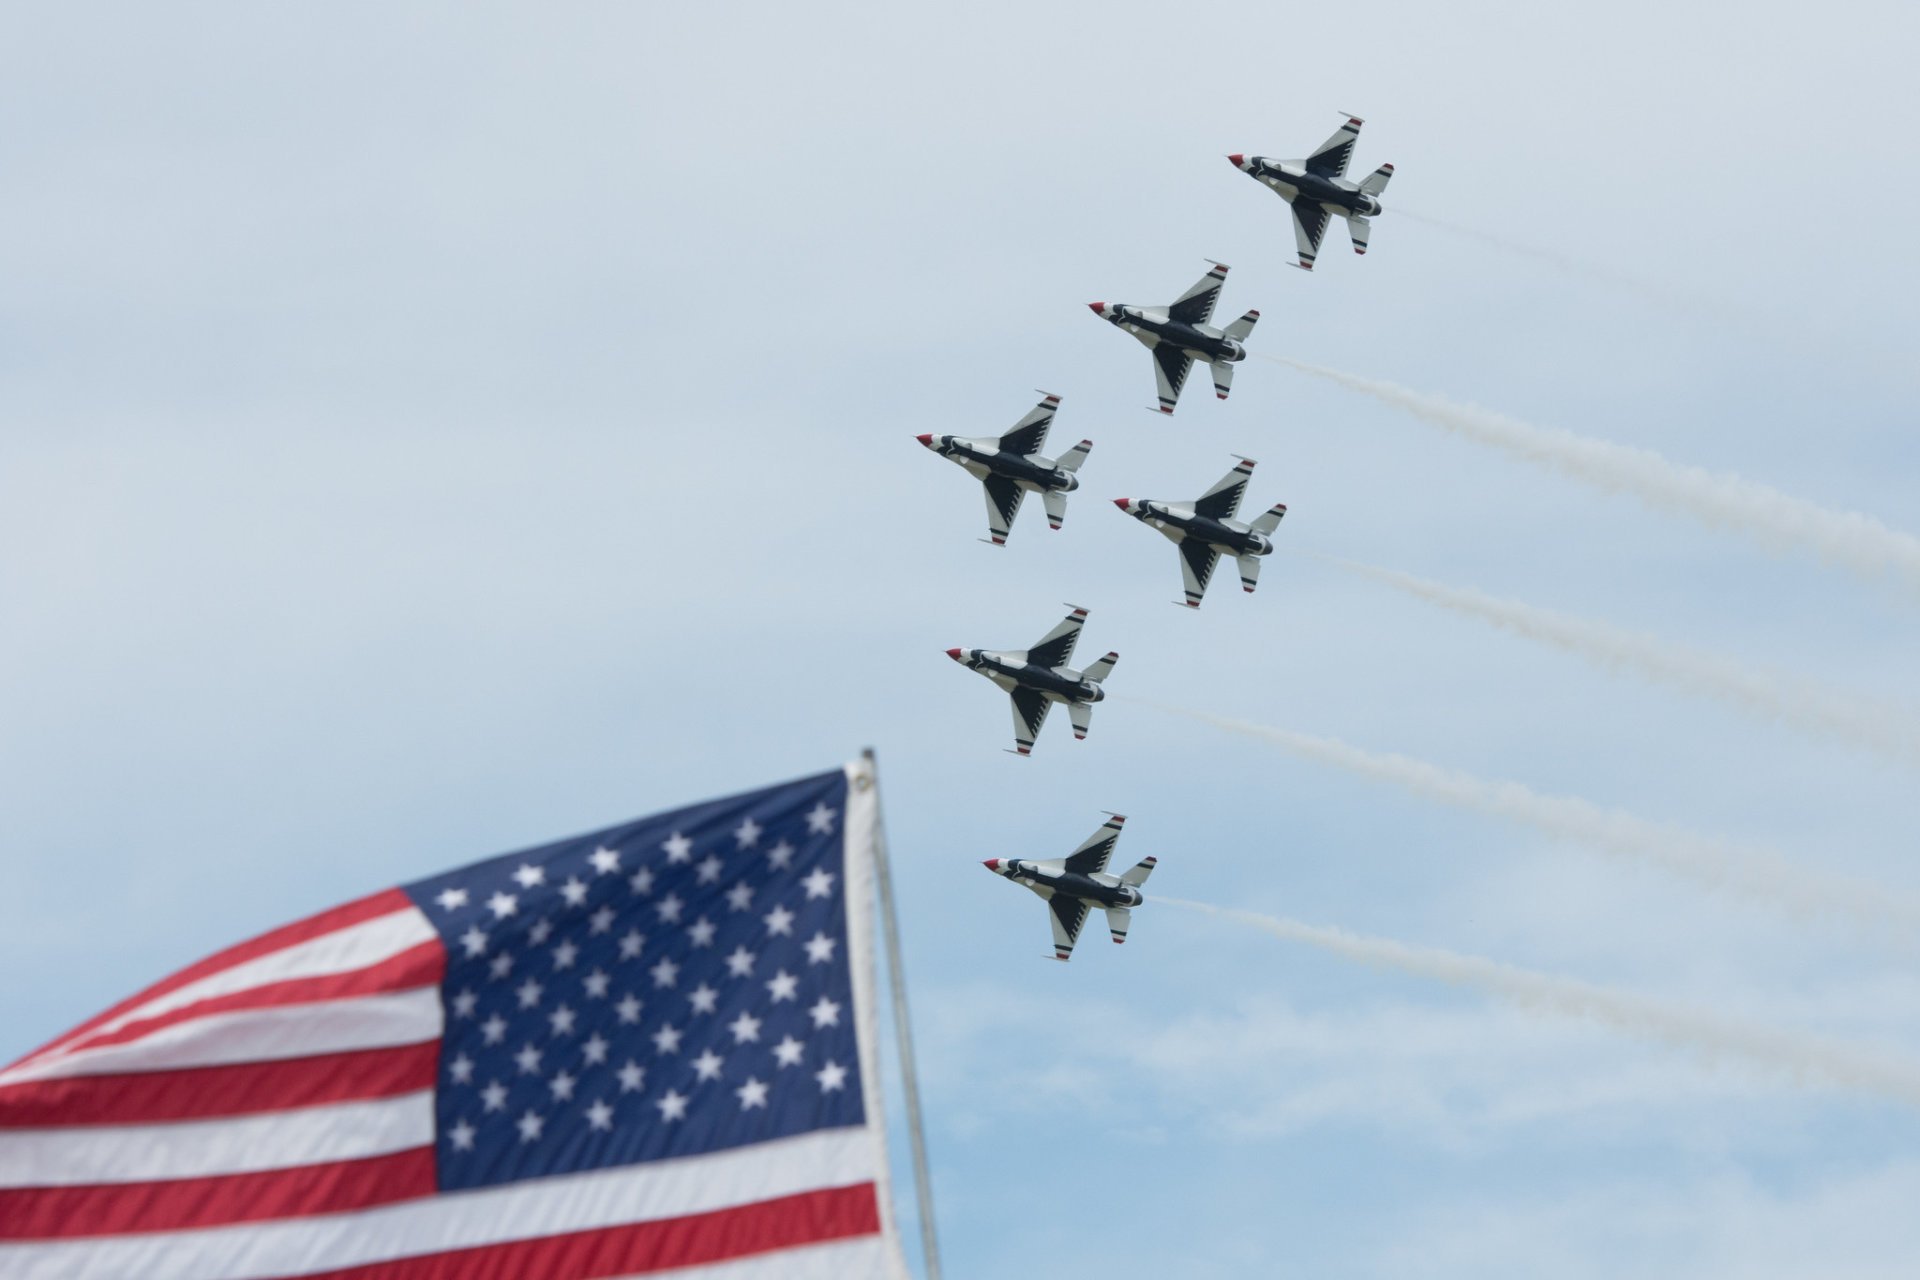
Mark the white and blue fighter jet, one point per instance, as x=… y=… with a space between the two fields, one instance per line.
x=1037 y=678
x=1205 y=529
x=1011 y=466
x=1318 y=189
x=1078 y=882
x=1178 y=334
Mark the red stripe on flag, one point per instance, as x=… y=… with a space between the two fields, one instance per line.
x=812 y=1217
x=52 y=1213
x=204 y=1093
x=418 y=966
x=380 y=904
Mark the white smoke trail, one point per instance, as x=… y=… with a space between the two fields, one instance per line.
x=1800 y=704
x=1780 y=522
x=1718 y=863
x=1803 y=1056
x=1646 y=290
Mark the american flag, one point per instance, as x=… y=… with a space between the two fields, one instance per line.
x=647 y=1048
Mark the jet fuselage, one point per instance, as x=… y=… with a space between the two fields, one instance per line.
x=1229 y=536
x=1153 y=327
x=1292 y=181
x=983 y=458
x=1062 y=684
x=1102 y=889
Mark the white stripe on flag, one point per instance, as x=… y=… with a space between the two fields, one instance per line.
x=355 y=947
x=259 y=1035
x=866 y=1258
x=208 y=1148
x=460 y=1220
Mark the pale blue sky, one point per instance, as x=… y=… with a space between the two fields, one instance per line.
x=434 y=429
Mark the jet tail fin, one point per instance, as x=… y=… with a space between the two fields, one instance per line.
x=1268 y=521
x=1222 y=378
x=1072 y=458
x=1249 y=571
x=1138 y=873
x=1118 y=920
x=1081 y=713
x=1359 y=228
x=1240 y=328
x=1102 y=669
x=1376 y=182
x=1056 y=504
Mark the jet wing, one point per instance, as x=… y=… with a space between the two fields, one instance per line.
x=1029 y=713
x=1170 y=365
x=1309 y=225
x=1329 y=159
x=1003 y=504
x=1092 y=855
x=1056 y=647
x=1196 y=566
x=1195 y=306
x=1222 y=501
x=1029 y=435
x=1067 y=915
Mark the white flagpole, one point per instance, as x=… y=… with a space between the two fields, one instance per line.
x=897 y=983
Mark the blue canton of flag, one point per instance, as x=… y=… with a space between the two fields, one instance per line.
x=670 y=987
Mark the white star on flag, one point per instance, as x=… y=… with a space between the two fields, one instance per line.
x=820 y=948
x=752 y=1094
x=452 y=899
x=780 y=857
x=783 y=986
x=462 y=1136
x=595 y=984
x=709 y=869
x=745 y=1027
x=678 y=847
x=820 y=819
x=528 y=875
x=788 y=1052
x=475 y=941
x=703 y=998
x=666 y=973
x=574 y=891
x=831 y=1077
x=460 y=1070
x=606 y=861
x=528 y=1059
x=667 y=1039
x=594 y=1051
x=633 y=1077
x=529 y=993
x=826 y=1013
x=740 y=962
x=641 y=881
x=503 y=905
x=740 y=897
x=494 y=1096
x=779 y=920
x=700 y=932
x=747 y=833
x=819 y=884
x=672 y=1105
x=562 y=1087
x=600 y=1115
x=707 y=1065
x=530 y=1125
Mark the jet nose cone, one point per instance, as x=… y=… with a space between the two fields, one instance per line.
x=1237 y=160
x=1125 y=504
x=1099 y=308
x=926 y=440
x=954 y=654
x=991 y=864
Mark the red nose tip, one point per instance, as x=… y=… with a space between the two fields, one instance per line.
x=1236 y=160
x=991 y=864
x=1099 y=308
x=954 y=654
x=926 y=439
x=1123 y=503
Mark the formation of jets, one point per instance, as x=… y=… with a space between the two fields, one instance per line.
x=1011 y=465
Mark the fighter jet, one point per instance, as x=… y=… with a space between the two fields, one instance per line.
x=1010 y=465
x=1078 y=881
x=1037 y=678
x=1178 y=334
x=1317 y=188
x=1205 y=527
